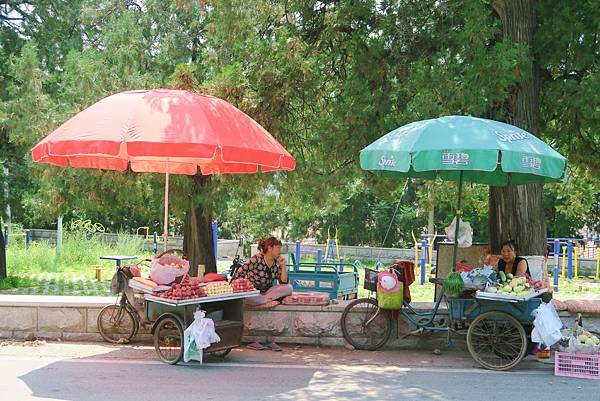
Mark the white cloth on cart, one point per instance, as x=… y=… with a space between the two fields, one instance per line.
x=199 y=335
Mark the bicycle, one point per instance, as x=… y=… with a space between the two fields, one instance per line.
x=368 y=327
x=120 y=322
x=498 y=332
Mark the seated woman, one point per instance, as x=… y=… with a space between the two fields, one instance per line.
x=510 y=262
x=265 y=267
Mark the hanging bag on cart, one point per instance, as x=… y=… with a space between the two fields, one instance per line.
x=166 y=267
x=199 y=335
x=389 y=291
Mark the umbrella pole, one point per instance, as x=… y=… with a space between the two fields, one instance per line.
x=457 y=214
x=166 y=206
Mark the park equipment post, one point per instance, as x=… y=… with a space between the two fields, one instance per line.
x=155 y=247
x=342 y=264
x=27 y=238
x=563 y=255
x=423 y=260
x=319 y=259
x=556 y=251
x=576 y=261
x=59 y=235
x=570 y=259
x=297 y=252
x=555 y=278
x=215 y=232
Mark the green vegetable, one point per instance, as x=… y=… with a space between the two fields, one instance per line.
x=453 y=285
x=502 y=276
x=509 y=276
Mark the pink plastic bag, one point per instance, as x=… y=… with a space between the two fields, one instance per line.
x=167 y=268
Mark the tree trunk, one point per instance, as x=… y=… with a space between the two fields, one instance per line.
x=2 y=254
x=197 y=235
x=516 y=212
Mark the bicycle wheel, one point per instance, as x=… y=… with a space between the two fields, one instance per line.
x=116 y=324
x=496 y=340
x=168 y=340
x=365 y=326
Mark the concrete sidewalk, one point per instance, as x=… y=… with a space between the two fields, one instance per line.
x=455 y=359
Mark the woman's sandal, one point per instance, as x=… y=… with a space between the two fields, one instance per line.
x=274 y=347
x=256 y=346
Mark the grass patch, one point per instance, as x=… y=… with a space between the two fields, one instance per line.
x=78 y=255
x=17 y=282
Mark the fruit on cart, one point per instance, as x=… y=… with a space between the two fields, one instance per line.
x=588 y=338
x=181 y=292
x=502 y=276
x=217 y=288
x=510 y=285
x=242 y=285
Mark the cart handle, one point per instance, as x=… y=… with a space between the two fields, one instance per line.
x=173 y=250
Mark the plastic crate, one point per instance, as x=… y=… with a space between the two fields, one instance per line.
x=585 y=366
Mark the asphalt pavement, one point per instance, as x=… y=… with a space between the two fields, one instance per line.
x=76 y=371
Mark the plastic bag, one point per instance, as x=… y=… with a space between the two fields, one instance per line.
x=546 y=325
x=390 y=292
x=167 y=268
x=465 y=233
x=199 y=335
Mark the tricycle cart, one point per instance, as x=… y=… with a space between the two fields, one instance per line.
x=498 y=330
x=172 y=317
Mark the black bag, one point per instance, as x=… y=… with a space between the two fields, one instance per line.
x=370 y=279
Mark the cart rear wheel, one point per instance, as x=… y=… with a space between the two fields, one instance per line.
x=116 y=324
x=168 y=340
x=365 y=326
x=496 y=340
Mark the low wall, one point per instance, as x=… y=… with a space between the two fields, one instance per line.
x=74 y=319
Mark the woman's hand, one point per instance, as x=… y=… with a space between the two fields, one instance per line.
x=284 y=275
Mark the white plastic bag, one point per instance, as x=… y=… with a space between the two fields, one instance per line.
x=199 y=335
x=465 y=233
x=546 y=325
x=167 y=268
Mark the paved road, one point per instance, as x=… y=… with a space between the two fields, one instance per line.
x=77 y=372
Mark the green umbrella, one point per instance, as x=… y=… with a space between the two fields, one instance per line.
x=461 y=148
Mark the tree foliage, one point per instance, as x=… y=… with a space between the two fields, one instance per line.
x=325 y=77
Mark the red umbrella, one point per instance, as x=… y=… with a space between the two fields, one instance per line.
x=166 y=131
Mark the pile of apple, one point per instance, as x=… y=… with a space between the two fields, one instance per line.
x=242 y=285
x=175 y=265
x=180 y=292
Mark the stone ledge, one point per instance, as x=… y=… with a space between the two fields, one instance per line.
x=74 y=319
x=55 y=301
